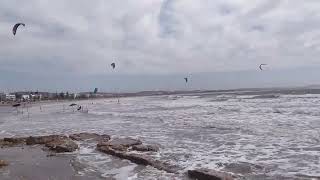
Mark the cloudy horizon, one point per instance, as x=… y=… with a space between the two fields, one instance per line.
x=69 y=45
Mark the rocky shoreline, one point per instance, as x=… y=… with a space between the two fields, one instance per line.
x=127 y=148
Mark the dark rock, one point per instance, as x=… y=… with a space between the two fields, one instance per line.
x=138 y=159
x=13 y=140
x=9 y=142
x=142 y=147
x=114 y=147
x=3 y=163
x=89 y=136
x=120 y=144
x=206 y=174
x=62 y=145
x=127 y=142
x=147 y=160
x=44 y=139
x=6 y=144
x=117 y=147
x=109 y=150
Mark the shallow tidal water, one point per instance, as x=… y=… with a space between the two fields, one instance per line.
x=281 y=133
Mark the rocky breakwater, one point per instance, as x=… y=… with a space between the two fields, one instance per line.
x=126 y=148
x=56 y=143
x=93 y=137
x=51 y=143
x=9 y=142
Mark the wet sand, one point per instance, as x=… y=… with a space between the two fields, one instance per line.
x=32 y=163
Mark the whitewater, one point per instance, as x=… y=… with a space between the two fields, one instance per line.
x=279 y=133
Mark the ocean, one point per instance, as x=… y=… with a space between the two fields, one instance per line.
x=276 y=132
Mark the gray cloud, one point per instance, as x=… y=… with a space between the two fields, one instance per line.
x=156 y=37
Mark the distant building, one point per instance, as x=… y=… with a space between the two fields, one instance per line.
x=25 y=97
x=2 y=97
x=36 y=97
x=10 y=97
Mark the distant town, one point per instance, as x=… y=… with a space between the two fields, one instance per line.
x=42 y=96
x=29 y=96
x=34 y=96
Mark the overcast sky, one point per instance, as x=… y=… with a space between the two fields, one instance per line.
x=69 y=45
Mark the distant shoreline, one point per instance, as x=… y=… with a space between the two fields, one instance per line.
x=9 y=104
x=249 y=91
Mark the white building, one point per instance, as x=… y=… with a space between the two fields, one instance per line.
x=25 y=97
x=36 y=96
x=10 y=97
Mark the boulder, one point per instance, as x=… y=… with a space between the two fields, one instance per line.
x=4 y=143
x=8 y=142
x=62 y=145
x=120 y=144
x=127 y=142
x=117 y=147
x=89 y=136
x=142 y=147
x=206 y=174
x=3 y=163
x=14 y=140
x=108 y=150
x=44 y=139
